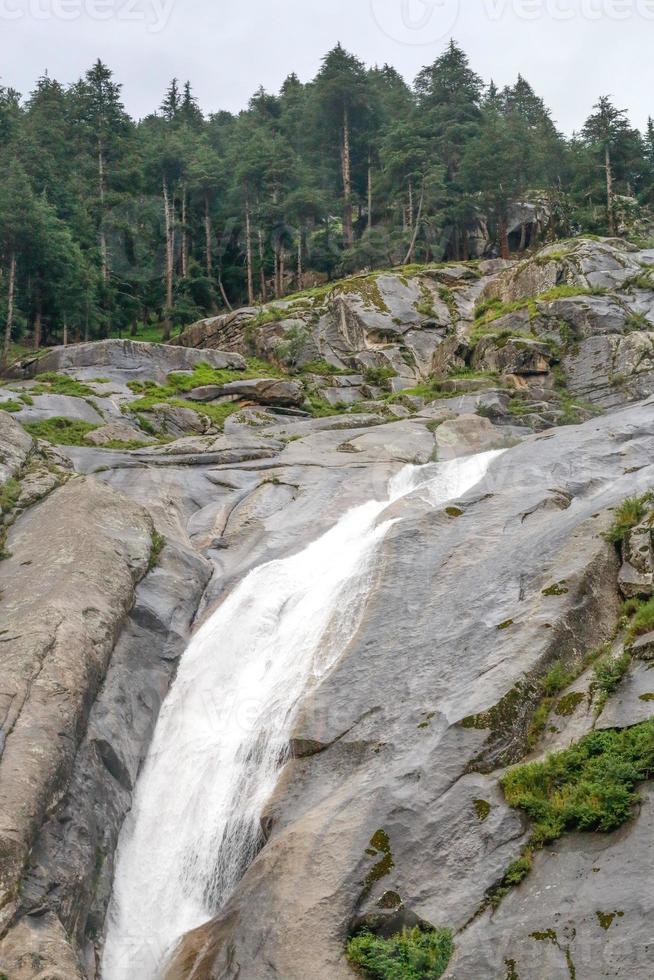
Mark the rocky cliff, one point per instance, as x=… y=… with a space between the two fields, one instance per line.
x=140 y=483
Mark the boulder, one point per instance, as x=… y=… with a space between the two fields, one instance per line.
x=125 y=360
x=264 y=391
x=116 y=432
x=175 y=421
x=637 y=573
x=15 y=446
x=512 y=355
x=470 y=434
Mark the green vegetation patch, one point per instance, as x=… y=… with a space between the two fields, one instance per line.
x=9 y=494
x=368 y=289
x=559 y=588
x=60 y=431
x=157 y=546
x=589 y=787
x=606 y=919
x=178 y=385
x=61 y=384
x=569 y=704
x=414 y=954
x=482 y=810
x=609 y=672
x=380 y=847
x=11 y=405
x=642 y=620
x=627 y=516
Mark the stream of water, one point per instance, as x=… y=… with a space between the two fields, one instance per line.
x=224 y=728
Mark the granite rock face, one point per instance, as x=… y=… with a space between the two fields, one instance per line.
x=382 y=747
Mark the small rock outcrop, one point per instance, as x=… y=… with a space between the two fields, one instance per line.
x=129 y=360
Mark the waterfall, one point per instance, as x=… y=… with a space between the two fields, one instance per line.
x=223 y=731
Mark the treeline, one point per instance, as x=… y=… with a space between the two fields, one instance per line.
x=111 y=226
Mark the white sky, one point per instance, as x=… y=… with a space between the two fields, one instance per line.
x=571 y=51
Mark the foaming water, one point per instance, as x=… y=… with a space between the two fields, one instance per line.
x=223 y=731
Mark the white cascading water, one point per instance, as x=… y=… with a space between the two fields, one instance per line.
x=223 y=731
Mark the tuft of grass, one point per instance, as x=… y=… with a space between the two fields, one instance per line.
x=627 y=516
x=642 y=620
x=60 y=431
x=414 y=954
x=11 y=406
x=158 y=544
x=9 y=494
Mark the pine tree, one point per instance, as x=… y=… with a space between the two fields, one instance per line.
x=343 y=98
x=607 y=132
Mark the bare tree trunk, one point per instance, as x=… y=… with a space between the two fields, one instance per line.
x=609 y=190
x=170 y=260
x=184 y=234
x=262 y=271
x=412 y=247
x=10 y=309
x=282 y=260
x=248 y=251
x=65 y=332
x=348 y=233
x=224 y=294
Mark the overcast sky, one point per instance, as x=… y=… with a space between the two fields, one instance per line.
x=570 y=50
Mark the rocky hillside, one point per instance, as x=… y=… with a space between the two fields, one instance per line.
x=139 y=483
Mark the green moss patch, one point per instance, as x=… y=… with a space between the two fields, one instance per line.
x=414 y=954
x=482 y=810
x=556 y=590
x=606 y=919
x=380 y=847
x=569 y=704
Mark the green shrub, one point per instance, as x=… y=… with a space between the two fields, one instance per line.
x=409 y=955
x=589 y=787
x=609 y=672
